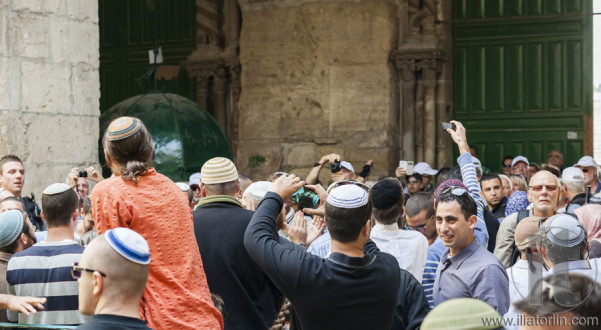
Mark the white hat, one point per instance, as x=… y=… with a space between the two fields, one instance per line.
x=520 y=159
x=131 y=245
x=347 y=165
x=194 y=179
x=257 y=190
x=476 y=162
x=348 y=196
x=564 y=230
x=218 y=170
x=572 y=174
x=586 y=161
x=424 y=168
x=56 y=188
x=183 y=186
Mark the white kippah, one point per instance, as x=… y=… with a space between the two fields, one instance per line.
x=56 y=188
x=131 y=245
x=183 y=186
x=257 y=190
x=564 y=230
x=348 y=196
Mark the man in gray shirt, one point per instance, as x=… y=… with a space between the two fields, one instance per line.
x=466 y=269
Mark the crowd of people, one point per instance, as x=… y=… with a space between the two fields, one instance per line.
x=453 y=248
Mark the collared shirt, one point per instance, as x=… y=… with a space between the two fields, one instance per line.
x=472 y=273
x=321 y=246
x=410 y=248
x=589 y=268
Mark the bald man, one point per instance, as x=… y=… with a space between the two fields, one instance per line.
x=112 y=275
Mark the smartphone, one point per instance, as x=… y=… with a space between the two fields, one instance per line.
x=407 y=166
x=305 y=198
x=446 y=126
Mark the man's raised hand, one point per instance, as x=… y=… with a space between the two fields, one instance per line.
x=286 y=185
x=459 y=137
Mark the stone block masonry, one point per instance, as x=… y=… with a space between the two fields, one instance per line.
x=49 y=87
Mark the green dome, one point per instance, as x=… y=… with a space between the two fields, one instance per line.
x=185 y=135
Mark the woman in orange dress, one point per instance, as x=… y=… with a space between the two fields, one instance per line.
x=137 y=197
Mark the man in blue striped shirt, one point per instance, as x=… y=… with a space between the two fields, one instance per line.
x=44 y=270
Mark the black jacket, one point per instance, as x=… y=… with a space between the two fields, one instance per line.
x=251 y=301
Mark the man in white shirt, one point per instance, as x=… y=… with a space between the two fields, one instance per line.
x=410 y=248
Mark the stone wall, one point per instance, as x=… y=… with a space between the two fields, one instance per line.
x=316 y=78
x=49 y=87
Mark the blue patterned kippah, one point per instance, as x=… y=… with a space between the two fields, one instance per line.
x=131 y=245
x=11 y=226
x=348 y=196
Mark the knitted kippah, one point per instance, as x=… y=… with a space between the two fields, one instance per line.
x=56 y=188
x=11 y=225
x=218 y=170
x=122 y=128
x=564 y=230
x=461 y=313
x=131 y=245
x=348 y=196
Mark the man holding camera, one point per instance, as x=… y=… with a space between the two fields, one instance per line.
x=78 y=180
x=341 y=170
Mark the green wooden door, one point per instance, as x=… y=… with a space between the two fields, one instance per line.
x=523 y=77
x=127 y=33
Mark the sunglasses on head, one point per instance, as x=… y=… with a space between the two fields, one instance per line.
x=455 y=190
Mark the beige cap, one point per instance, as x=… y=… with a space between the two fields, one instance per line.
x=526 y=232
x=218 y=170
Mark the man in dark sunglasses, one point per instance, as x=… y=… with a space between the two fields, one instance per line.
x=588 y=165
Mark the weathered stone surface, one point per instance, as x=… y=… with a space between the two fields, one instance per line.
x=31 y=5
x=30 y=35
x=46 y=87
x=319 y=75
x=83 y=9
x=272 y=152
x=298 y=154
x=72 y=41
x=9 y=84
x=85 y=90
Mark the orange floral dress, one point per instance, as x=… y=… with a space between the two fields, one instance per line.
x=177 y=294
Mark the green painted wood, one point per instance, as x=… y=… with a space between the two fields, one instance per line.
x=523 y=76
x=127 y=32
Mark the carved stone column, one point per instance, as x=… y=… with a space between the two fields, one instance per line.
x=406 y=68
x=430 y=67
x=202 y=90
x=219 y=88
x=234 y=73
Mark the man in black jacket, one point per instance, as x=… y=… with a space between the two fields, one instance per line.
x=356 y=287
x=251 y=301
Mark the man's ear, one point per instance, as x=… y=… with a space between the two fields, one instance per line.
x=203 y=189
x=42 y=216
x=366 y=228
x=75 y=215
x=98 y=284
x=238 y=187
x=530 y=195
x=473 y=220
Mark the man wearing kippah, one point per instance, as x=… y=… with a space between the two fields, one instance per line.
x=44 y=268
x=112 y=275
x=356 y=287
x=251 y=301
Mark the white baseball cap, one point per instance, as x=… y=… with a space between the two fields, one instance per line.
x=520 y=159
x=194 y=179
x=572 y=174
x=347 y=165
x=424 y=168
x=586 y=161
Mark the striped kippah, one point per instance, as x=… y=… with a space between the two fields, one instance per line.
x=218 y=170
x=348 y=196
x=131 y=245
x=122 y=128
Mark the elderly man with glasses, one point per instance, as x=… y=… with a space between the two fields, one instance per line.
x=588 y=165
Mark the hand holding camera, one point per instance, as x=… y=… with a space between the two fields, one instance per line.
x=459 y=136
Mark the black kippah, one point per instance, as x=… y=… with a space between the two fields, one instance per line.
x=385 y=194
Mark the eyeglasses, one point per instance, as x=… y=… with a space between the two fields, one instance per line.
x=421 y=228
x=455 y=190
x=585 y=170
x=506 y=165
x=540 y=188
x=76 y=271
x=194 y=187
x=345 y=182
x=413 y=181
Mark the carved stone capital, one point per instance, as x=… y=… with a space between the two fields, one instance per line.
x=219 y=80
x=202 y=70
